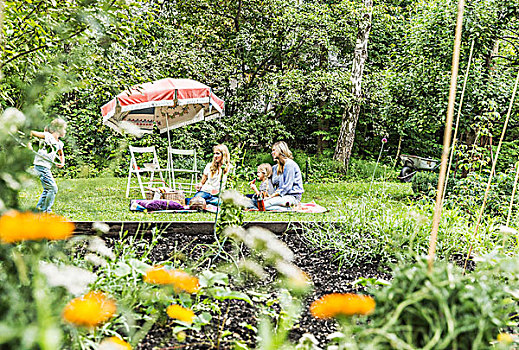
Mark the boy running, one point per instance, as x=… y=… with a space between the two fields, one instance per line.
x=50 y=147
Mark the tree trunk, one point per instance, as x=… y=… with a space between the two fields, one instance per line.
x=323 y=123
x=351 y=114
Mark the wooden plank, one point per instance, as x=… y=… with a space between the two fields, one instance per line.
x=176 y=227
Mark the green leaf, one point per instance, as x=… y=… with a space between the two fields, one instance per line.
x=7 y=333
x=220 y=293
x=209 y=279
x=139 y=266
x=240 y=346
x=204 y=317
x=122 y=269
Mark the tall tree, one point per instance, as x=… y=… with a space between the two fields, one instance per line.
x=351 y=115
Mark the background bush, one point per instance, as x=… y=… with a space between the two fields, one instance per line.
x=442 y=308
x=468 y=194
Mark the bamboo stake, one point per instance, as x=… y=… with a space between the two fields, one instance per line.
x=494 y=162
x=513 y=194
x=2 y=8
x=170 y=161
x=447 y=133
x=398 y=150
x=505 y=236
x=454 y=138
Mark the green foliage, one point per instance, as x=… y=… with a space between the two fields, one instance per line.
x=104 y=52
x=13 y=158
x=381 y=232
x=408 y=78
x=359 y=169
x=469 y=193
x=508 y=156
x=425 y=183
x=323 y=169
x=30 y=308
x=443 y=308
x=231 y=210
x=284 y=74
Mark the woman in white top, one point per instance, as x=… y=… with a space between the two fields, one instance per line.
x=209 y=187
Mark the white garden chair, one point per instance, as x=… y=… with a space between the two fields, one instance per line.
x=183 y=169
x=145 y=167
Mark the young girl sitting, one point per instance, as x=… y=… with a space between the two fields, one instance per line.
x=265 y=189
x=209 y=186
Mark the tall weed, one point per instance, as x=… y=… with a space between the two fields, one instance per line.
x=442 y=308
x=380 y=232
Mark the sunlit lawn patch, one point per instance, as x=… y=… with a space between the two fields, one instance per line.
x=103 y=199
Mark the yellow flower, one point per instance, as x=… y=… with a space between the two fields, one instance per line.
x=180 y=313
x=89 y=310
x=114 y=343
x=179 y=279
x=333 y=305
x=16 y=227
x=505 y=338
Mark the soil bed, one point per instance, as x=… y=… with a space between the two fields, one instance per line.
x=237 y=316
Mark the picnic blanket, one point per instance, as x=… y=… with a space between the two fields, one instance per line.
x=155 y=205
x=163 y=206
x=311 y=208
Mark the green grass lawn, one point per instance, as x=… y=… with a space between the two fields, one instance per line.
x=381 y=221
x=103 y=199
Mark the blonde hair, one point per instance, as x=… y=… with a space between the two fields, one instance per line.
x=282 y=148
x=57 y=125
x=226 y=160
x=265 y=168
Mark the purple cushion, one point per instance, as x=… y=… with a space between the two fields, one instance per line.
x=159 y=204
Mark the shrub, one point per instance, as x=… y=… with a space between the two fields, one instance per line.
x=468 y=194
x=425 y=183
x=442 y=308
x=360 y=169
x=509 y=153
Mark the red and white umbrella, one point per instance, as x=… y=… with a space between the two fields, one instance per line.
x=167 y=103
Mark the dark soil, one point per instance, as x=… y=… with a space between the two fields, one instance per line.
x=325 y=272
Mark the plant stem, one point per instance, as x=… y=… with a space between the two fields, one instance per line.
x=447 y=133
x=375 y=170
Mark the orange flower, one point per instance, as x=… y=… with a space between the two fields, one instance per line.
x=16 y=227
x=333 y=305
x=114 y=343
x=505 y=338
x=180 y=313
x=158 y=275
x=89 y=310
x=179 y=279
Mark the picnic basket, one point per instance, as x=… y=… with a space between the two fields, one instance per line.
x=177 y=196
x=167 y=194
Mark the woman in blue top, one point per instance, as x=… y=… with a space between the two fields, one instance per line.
x=287 y=179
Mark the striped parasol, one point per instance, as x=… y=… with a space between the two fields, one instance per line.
x=167 y=103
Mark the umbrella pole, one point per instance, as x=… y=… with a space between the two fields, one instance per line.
x=170 y=163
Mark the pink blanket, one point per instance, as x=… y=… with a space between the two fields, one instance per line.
x=312 y=208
